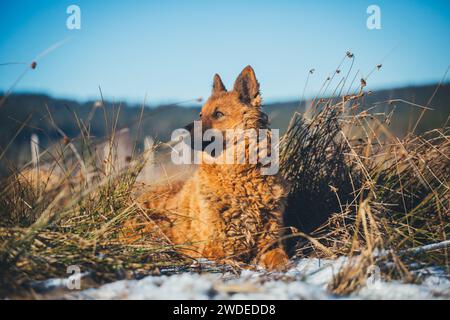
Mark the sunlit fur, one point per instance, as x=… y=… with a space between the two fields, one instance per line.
x=226 y=212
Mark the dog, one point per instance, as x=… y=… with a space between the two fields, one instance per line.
x=226 y=212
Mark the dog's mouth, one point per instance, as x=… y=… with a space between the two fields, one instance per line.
x=199 y=146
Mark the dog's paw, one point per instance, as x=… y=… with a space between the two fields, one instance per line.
x=274 y=260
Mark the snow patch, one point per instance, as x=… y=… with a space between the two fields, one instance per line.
x=307 y=279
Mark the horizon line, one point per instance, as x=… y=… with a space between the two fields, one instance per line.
x=172 y=101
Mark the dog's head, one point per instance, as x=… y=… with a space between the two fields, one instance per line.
x=239 y=108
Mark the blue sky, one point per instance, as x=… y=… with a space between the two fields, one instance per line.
x=169 y=50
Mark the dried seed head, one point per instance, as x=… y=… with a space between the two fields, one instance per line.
x=363 y=83
x=338 y=71
x=66 y=140
x=349 y=54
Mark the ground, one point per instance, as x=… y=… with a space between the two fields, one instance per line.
x=306 y=279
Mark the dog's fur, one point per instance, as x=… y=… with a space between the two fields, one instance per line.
x=226 y=211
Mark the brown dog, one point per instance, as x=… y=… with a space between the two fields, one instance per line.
x=226 y=211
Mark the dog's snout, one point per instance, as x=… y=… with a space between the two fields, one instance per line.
x=189 y=127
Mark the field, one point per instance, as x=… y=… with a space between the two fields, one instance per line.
x=368 y=209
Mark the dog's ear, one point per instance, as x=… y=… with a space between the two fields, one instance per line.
x=247 y=86
x=218 y=85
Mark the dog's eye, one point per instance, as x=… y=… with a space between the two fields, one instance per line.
x=218 y=114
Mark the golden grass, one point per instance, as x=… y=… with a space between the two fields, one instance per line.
x=356 y=190
x=359 y=191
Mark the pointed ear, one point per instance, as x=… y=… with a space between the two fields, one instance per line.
x=218 y=85
x=247 y=86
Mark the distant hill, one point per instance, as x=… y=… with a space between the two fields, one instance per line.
x=159 y=122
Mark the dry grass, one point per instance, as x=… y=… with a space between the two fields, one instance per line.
x=357 y=190
x=71 y=212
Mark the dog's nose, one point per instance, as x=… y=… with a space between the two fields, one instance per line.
x=189 y=127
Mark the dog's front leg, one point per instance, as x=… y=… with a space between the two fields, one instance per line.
x=274 y=260
x=272 y=255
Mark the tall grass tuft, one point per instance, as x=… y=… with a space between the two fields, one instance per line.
x=71 y=212
x=359 y=191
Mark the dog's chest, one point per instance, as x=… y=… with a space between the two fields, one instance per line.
x=242 y=209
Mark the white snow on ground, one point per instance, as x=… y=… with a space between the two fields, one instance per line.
x=307 y=279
